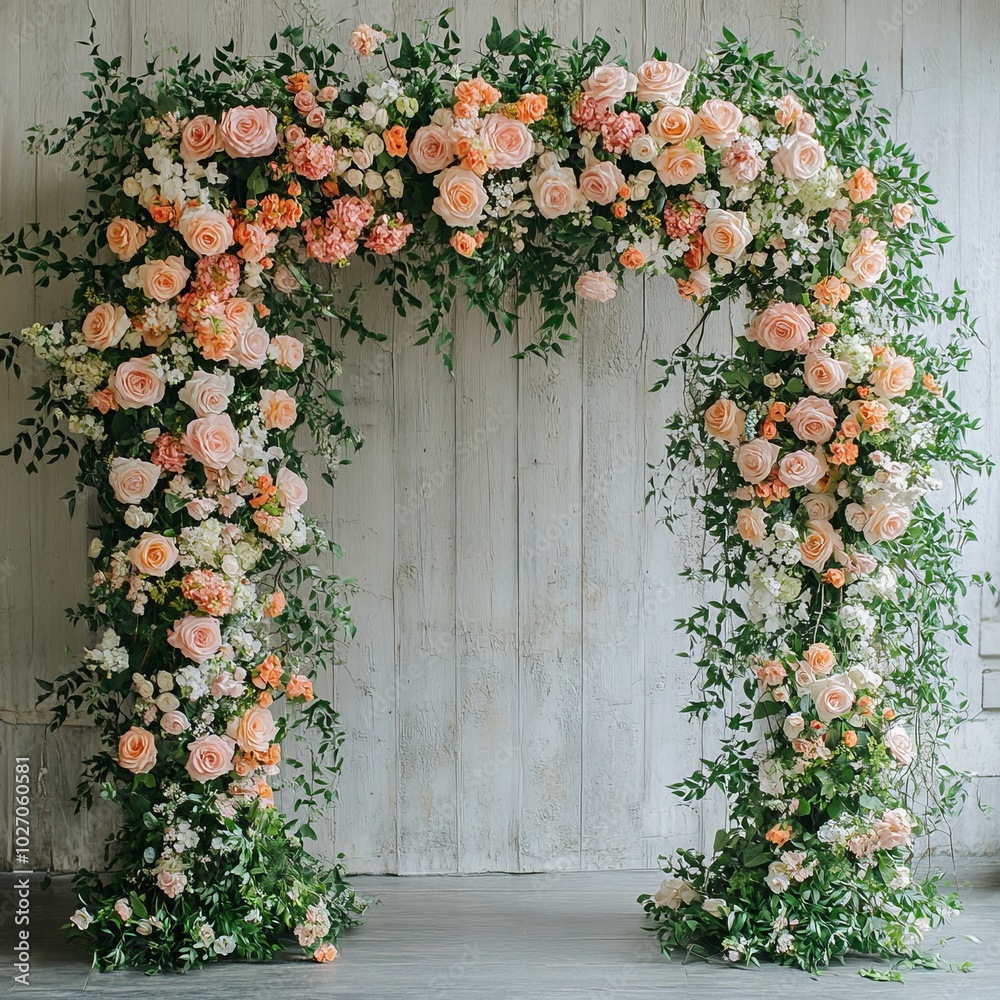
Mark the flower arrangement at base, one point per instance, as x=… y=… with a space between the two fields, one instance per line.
x=192 y=352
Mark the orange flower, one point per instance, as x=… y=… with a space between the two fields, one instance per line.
x=274 y=605
x=531 y=107
x=843 y=453
x=834 y=577
x=299 y=686
x=768 y=430
x=930 y=385
x=272 y=755
x=831 y=291
x=265 y=794
x=294 y=189
x=776 y=411
x=779 y=835
x=463 y=109
x=264 y=699
x=850 y=428
x=864 y=705
x=697 y=253
x=463 y=243
x=873 y=416
x=266 y=491
x=619 y=209
x=889 y=714
x=330 y=188
x=395 y=140
x=268 y=673
x=864 y=391
x=632 y=258
x=779 y=490
x=850 y=738
x=297 y=82
x=325 y=953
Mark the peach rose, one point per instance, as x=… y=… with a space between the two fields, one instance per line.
x=252 y=344
x=862 y=185
x=153 y=554
x=105 y=325
x=256 y=730
x=661 y=82
x=892 y=830
x=608 y=85
x=787 y=110
x=125 y=238
x=819 y=506
x=200 y=139
x=326 y=952
x=171 y=883
x=137 y=750
x=212 y=440
x=833 y=697
x=818 y=545
x=697 y=285
x=799 y=157
x=299 y=686
x=756 y=459
x=812 y=419
x=750 y=523
x=601 y=181
x=286 y=352
x=174 y=723
x=902 y=213
x=820 y=658
x=596 y=286
x=510 y=140
x=209 y=757
x=292 y=488
x=824 y=374
x=800 y=468
x=206 y=230
x=531 y=107
x=727 y=234
x=741 y=163
x=866 y=261
x=461 y=197
x=886 y=522
x=555 y=192
x=678 y=166
x=196 y=636
x=782 y=326
x=135 y=383
x=673 y=125
x=431 y=149
x=164 y=279
x=277 y=408
x=240 y=312
x=132 y=479
x=248 y=131
x=719 y=122
x=207 y=392
x=893 y=375
x=725 y=420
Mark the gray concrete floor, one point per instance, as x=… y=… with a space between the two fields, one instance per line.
x=568 y=936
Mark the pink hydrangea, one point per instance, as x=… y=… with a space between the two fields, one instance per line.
x=168 y=453
x=683 y=217
x=388 y=235
x=588 y=114
x=313 y=160
x=351 y=214
x=218 y=275
x=618 y=131
x=325 y=242
x=208 y=590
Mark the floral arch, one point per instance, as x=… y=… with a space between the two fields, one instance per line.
x=189 y=359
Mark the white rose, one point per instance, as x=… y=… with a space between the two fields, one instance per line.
x=164 y=680
x=142 y=687
x=394 y=182
x=374 y=144
x=674 y=892
x=644 y=149
x=373 y=180
x=355 y=178
x=167 y=702
x=716 y=907
x=95 y=548
x=778 y=879
x=897 y=741
x=794 y=725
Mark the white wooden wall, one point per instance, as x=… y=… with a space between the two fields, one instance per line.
x=512 y=698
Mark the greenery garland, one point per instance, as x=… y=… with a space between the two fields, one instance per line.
x=192 y=352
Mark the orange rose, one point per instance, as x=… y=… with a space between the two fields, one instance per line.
x=862 y=185
x=153 y=555
x=206 y=230
x=902 y=212
x=461 y=197
x=299 y=686
x=778 y=835
x=463 y=243
x=673 y=125
x=209 y=757
x=893 y=376
x=867 y=261
x=782 y=326
x=824 y=374
x=255 y=730
x=105 y=325
x=799 y=158
x=268 y=673
x=817 y=547
x=831 y=291
x=125 y=238
x=531 y=108
x=820 y=658
x=725 y=420
x=886 y=522
x=678 y=166
x=632 y=258
x=163 y=280
x=278 y=409
x=395 y=140
x=137 y=750
x=719 y=122
x=200 y=139
x=813 y=419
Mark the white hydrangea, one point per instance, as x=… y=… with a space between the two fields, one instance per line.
x=108 y=655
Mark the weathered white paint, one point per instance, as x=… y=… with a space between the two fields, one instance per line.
x=511 y=700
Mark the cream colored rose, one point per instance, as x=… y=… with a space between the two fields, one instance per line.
x=431 y=149
x=292 y=489
x=897 y=741
x=135 y=383
x=596 y=286
x=719 y=122
x=510 y=140
x=601 y=181
x=678 y=166
x=824 y=374
x=893 y=829
x=200 y=139
x=132 y=479
x=893 y=375
x=209 y=757
x=752 y=525
x=608 y=85
x=555 y=192
x=164 y=279
x=673 y=124
x=756 y=459
x=660 y=81
x=725 y=420
x=867 y=261
x=799 y=157
x=286 y=351
x=833 y=697
x=819 y=506
x=782 y=326
x=886 y=522
x=256 y=730
x=104 y=326
x=196 y=636
x=206 y=230
x=207 y=392
x=800 y=468
x=816 y=548
x=813 y=419
x=153 y=554
x=461 y=197
x=137 y=750
x=212 y=440
x=727 y=234
x=125 y=238
x=174 y=723
x=248 y=131
x=251 y=348
x=674 y=893
x=278 y=409
x=793 y=725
